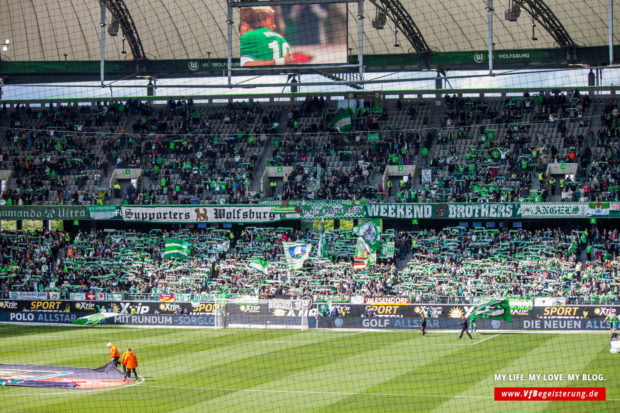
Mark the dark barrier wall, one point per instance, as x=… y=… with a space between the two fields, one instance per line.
x=570 y=317
x=301 y=313
x=120 y=307
x=164 y=320
x=37 y=317
x=132 y=319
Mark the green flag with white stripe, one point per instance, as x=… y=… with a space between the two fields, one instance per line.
x=176 y=248
x=342 y=120
x=259 y=265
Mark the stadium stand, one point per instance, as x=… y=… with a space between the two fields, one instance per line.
x=464 y=150
x=452 y=264
x=471 y=150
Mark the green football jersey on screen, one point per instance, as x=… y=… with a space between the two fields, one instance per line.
x=262 y=44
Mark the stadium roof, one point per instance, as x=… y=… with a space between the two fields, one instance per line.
x=62 y=37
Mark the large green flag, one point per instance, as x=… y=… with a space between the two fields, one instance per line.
x=342 y=120
x=176 y=248
x=259 y=265
x=371 y=232
x=94 y=319
x=493 y=310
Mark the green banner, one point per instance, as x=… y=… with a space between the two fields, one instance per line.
x=443 y=211
x=387 y=250
x=554 y=210
x=334 y=211
x=104 y=212
x=270 y=211
x=49 y=212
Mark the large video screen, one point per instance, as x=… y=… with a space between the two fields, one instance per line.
x=297 y=34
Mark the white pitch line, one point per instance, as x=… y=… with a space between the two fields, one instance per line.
x=485 y=339
x=335 y=393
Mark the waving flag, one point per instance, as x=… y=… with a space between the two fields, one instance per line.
x=342 y=120
x=494 y=310
x=321 y=251
x=295 y=253
x=94 y=319
x=176 y=248
x=259 y=265
x=371 y=232
x=364 y=255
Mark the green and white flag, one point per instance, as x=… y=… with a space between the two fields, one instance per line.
x=321 y=249
x=494 y=310
x=371 y=232
x=295 y=253
x=93 y=319
x=259 y=265
x=342 y=120
x=176 y=248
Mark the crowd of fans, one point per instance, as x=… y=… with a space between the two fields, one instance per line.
x=465 y=149
x=453 y=264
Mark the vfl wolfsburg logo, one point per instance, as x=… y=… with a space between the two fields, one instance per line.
x=192 y=65
x=478 y=57
x=306 y=302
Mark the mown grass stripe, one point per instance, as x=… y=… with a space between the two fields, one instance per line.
x=287 y=370
x=285 y=364
x=219 y=347
x=435 y=362
x=560 y=355
x=346 y=373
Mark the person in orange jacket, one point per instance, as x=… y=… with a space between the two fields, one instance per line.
x=114 y=354
x=131 y=362
x=124 y=361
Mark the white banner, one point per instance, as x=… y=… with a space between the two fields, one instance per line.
x=186 y=214
x=114 y=297
x=427 y=176
x=549 y=301
x=27 y=295
x=554 y=210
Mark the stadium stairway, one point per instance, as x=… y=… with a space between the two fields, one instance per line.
x=402 y=264
x=267 y=153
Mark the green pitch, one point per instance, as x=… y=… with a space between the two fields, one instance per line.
x=202 y=370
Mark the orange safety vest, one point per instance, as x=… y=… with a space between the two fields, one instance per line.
x=114 y=352
x=131 y=362
x=124 y=358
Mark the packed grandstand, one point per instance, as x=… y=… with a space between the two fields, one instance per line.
x=309 y=206
x=461 y=150
x=474 y=149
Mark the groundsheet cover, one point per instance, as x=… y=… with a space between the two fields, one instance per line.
x=58 y=377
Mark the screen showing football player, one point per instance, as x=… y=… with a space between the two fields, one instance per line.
x=261 y=44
